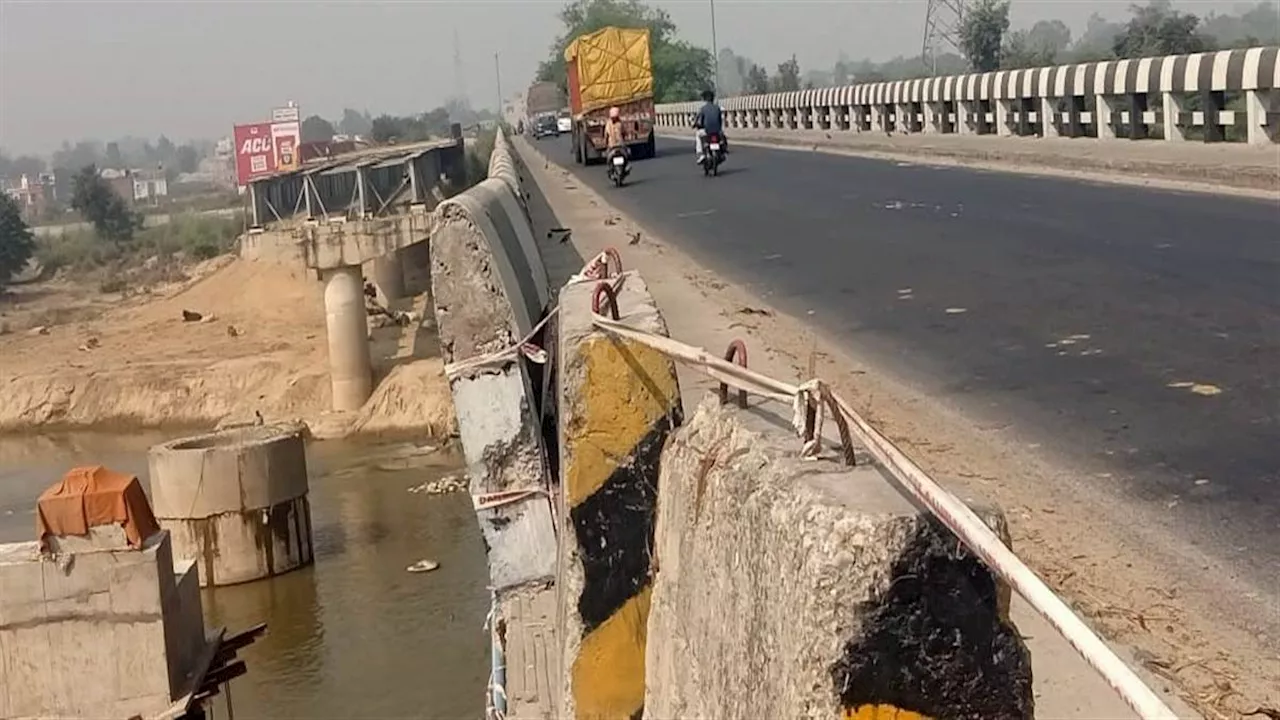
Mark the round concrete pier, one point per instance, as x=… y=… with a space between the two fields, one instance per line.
x=235 y=501
x=350 y=365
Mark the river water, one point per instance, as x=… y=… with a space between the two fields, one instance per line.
x=355 y=635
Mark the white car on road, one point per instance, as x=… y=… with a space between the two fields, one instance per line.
x=564 y=121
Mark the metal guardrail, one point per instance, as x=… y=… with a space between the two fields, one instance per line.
x=1104 y=100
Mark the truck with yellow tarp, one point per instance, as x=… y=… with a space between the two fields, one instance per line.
x=610 y=67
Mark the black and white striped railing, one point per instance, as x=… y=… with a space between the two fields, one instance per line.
x=1075 y=99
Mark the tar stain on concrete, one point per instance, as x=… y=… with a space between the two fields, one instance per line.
x=935 y=643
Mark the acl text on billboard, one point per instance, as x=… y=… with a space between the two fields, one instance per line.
x=255 y=152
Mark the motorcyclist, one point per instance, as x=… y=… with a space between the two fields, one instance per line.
x=708 y=121
x=613 y=140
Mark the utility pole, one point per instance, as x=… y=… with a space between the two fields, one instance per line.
x=497 y=68
x=715 y=47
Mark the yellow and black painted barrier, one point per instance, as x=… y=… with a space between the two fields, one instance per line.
x=618 y=402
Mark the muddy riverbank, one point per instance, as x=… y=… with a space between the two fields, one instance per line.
x=73 y=357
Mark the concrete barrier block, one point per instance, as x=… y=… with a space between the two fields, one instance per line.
x=618 y=402
x=486 y=301
x=516 y=233
x=808 y=589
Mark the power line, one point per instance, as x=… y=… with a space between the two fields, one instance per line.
x=459 y=79
x=942 y=22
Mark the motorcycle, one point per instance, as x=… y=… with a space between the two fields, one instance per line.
x=619 y=168
x=712 y=154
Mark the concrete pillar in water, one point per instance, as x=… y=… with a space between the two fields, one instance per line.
x=388 y=276
x=350 y=366
x=235 y=501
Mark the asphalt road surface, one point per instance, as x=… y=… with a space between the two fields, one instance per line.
x=1137 y=330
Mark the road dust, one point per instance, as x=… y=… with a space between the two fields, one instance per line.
x=238 y=337
x=1140 y=587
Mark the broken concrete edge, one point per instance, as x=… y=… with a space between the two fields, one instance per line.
x=618 y=402
x=805 y=588
x=486 y=299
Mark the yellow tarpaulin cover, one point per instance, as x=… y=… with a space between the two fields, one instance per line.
x=614 y=66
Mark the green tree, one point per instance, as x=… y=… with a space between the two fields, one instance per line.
x=842 y=72
x=355 y=123
x=113 y=158
x=1259 y=25
x=17 y=243
x=15 y=167
x=732 y=77
x=85 y=152
x=188 y=159
x=757 y=81
x=109 y=213
x=1051 y=37
x=316 y=129
x=385 y=128
x=680 y=70
x=982 y=34
x=788 y=77
x=1157 y=29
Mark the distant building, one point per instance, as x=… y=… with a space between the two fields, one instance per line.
x=34 y=195
x=137 y=186
x=149 y=185
x=119 y=181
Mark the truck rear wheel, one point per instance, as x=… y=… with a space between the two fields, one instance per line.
x=650 y=147
x=577 y=148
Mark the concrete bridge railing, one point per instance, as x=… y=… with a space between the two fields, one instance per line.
x=646 y=564
x=1182 y=95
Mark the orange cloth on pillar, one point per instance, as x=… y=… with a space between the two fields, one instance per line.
x=88 y=497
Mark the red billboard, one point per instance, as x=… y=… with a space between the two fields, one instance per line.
x=255 y=152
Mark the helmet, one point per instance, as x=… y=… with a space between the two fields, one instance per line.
x=614 y=113
x=708 y=95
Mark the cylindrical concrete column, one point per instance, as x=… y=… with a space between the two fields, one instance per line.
x=350 y=366
x=235 y=501
x=388 y=276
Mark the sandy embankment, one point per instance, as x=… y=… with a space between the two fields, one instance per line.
x=136 y=363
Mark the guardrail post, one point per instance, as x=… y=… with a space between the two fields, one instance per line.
x=1214 y=102
x=1175 y=106
x=1002 y=110
x=1104 y=117
x=1049 y=118
x=1138 y=116
x=1262 y=116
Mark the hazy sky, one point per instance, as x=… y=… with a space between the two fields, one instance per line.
x=105 y=68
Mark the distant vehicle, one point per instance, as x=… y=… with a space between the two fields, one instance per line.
x=712 y=154
x=545 y=126
x=564 y=121
x=610 y=67
x=619 y=167
x=543 y=97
